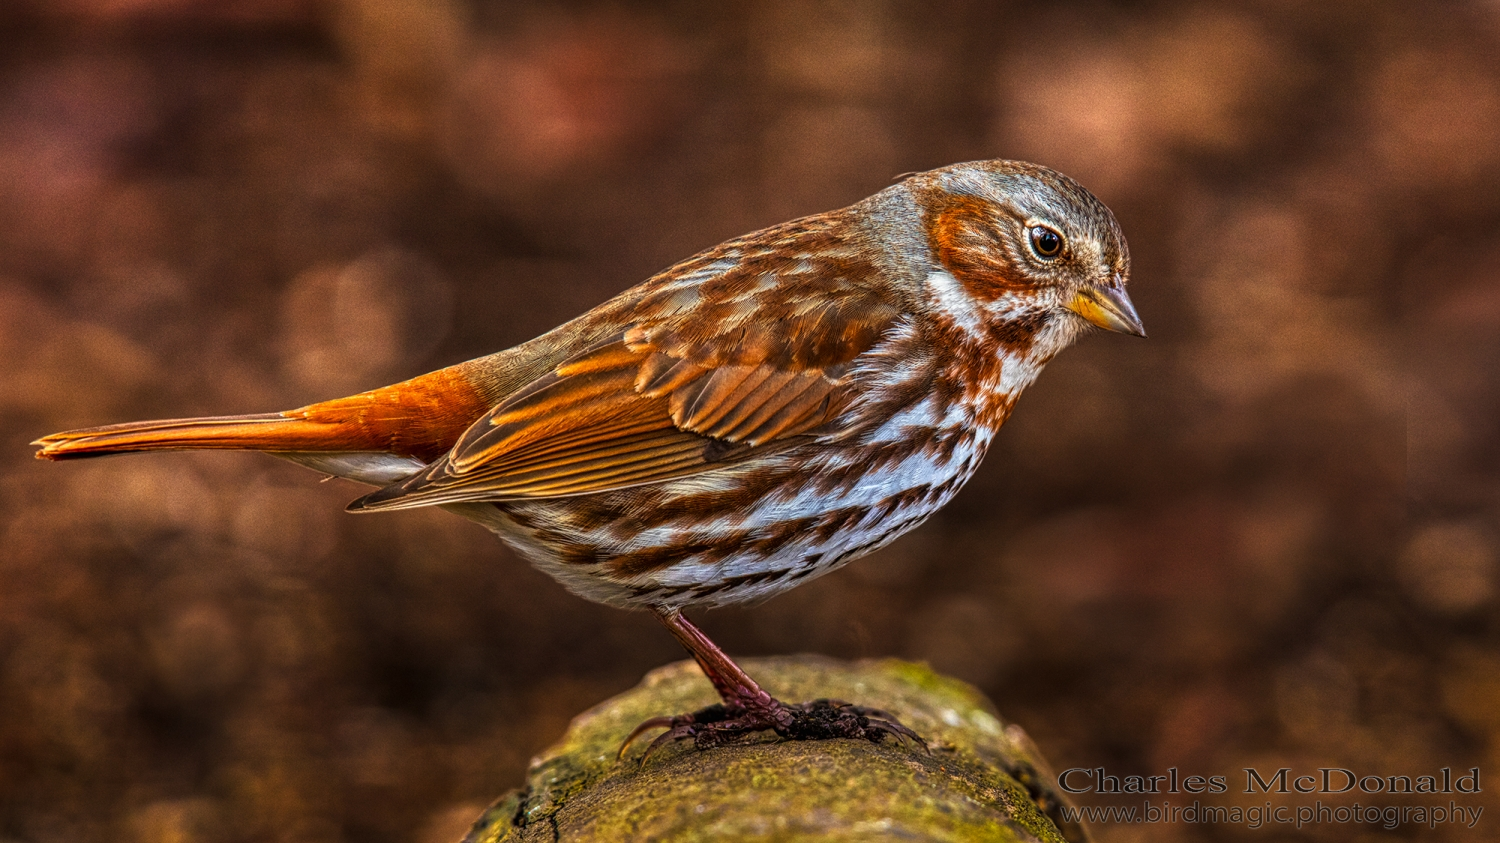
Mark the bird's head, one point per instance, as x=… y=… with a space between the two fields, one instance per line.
x=1023 y=252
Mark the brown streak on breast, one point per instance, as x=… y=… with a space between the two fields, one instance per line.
x=1017 y=333
x=646 y=560
x=995 y=411
x=872 y=458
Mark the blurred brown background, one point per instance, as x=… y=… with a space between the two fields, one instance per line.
x=1265 y=537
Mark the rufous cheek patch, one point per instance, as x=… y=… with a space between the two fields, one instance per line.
x=967 y=241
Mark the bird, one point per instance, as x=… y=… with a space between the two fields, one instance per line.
x=755 y=416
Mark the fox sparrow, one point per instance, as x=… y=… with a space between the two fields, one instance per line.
x=757 y=415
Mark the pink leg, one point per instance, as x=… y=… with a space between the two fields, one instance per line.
x=735 y=686
x=747 y=708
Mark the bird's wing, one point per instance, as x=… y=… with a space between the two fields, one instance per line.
x=732 y=354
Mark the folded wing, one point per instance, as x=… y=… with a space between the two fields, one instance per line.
x=757 y=360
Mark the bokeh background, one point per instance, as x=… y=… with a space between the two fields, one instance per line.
x=1265 y=537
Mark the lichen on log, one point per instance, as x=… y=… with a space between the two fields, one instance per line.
x=977 y=779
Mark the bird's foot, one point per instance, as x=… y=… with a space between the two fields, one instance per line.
x=722 y=724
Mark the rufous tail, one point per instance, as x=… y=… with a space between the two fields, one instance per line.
x=263 y=432
x=419 y=418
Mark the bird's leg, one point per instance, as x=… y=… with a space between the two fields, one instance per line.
x=739 y=692
x=748 y=708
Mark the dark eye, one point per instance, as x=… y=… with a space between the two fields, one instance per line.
x=1045 y=242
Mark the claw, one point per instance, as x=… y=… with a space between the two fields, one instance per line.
x=892 y=726
x=676 y=733
x=879 y=718
x=646 y=726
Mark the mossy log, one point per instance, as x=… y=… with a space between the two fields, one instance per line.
x=977 y=779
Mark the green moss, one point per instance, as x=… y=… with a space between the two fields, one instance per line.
x=971 y=785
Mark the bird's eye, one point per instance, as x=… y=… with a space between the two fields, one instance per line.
x=1045 y=242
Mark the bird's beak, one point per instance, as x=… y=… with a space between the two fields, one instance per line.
x=1109 y=308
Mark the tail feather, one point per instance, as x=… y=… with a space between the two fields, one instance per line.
x=262 y=432
x=420 y=419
